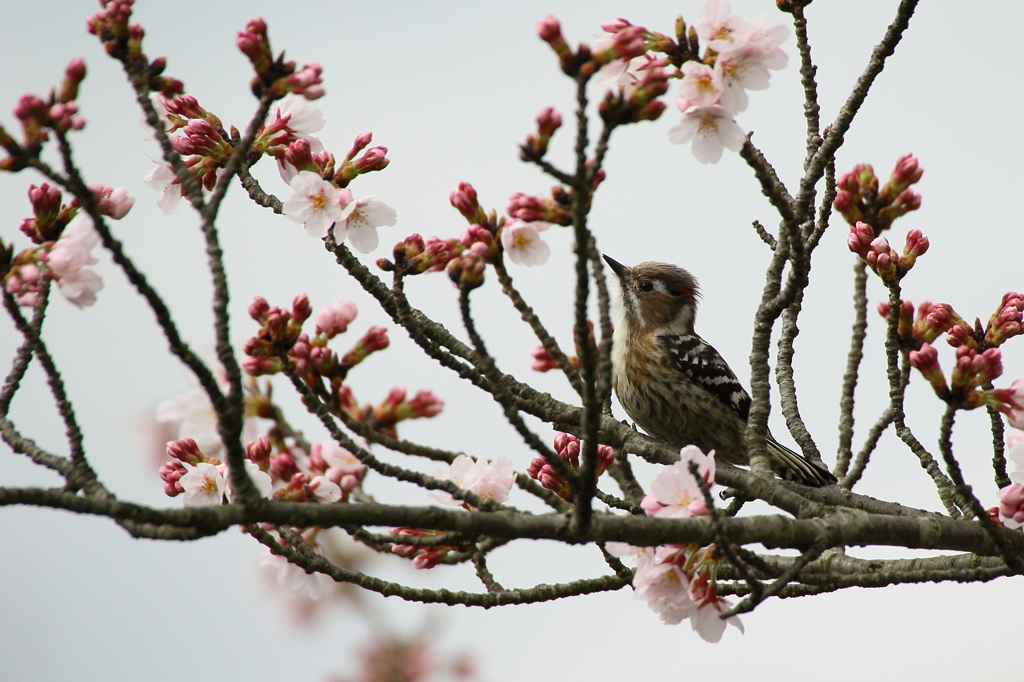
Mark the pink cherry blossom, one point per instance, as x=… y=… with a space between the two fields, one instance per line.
x=294 y=578
x=325 y=489
x=710 y=128
x=114 y=203
x=316 y=203
x=718 y=28
x=489 y=479
x=359 y=222
x=163 y=179
x=664 y=586
x=298 y=119
x=192 y=414
x=676 y=490
x=618 y=72
x=335 y=318
x=701 y=85
x=1016 y=400
x=740 y=70
x=766 y=38
x=705 y=619
x=1011 y=505
x=204 y=485
x=260 y=479
x=69 y=256
x=523 y=244
x=339 y=460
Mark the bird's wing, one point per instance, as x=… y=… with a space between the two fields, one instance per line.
x=703 y=365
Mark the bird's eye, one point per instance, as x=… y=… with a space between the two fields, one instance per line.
x=646 y=286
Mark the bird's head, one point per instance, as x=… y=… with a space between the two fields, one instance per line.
x=656 y=296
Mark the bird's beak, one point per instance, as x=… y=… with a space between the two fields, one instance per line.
x=618 y=268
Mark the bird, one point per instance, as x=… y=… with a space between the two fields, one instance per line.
x=673 y=384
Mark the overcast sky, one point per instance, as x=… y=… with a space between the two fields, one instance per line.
x=451 y=89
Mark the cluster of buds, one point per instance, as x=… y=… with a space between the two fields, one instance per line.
x=1005 y=323
x=973 y=371
x=299 y=155
x=465 y=201
x=535 y=147
x=529 y=209
x=199 y=137
x=543 y=362
x=277 y=75
x=415 y=255
x=567 y=447
x=37 y=116
x=912 y=330
x=396 y=407
x=881 y=257
x=281 y=334
x=423 y=556
x=858 y=198
x=640 y=102
x=279 y=470
x=279 y=328
x=120 y=39
x=373 y=159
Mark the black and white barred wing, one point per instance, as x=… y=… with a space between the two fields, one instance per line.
x=704 y=366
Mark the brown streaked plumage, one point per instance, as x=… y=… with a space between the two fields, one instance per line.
x=676 y=386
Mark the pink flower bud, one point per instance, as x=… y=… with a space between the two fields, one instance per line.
x=917 y=244
x=170 y=474
x=615 y=26
x=283 y=466
x=301 y=309
x=185 y=450
x=335 y=318
x=651 y=505
x=259 y=308
x=258 y=451
x=542 y=361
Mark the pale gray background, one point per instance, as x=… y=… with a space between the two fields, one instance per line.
x=450 y=89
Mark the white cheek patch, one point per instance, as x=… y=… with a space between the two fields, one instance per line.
x=660 y=287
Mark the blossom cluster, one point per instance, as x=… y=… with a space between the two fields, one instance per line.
x=486 y=241
x=678 y=581
x=282 y=471
x=567 y=447
x=858 y=198
x=738 y=57
x=65 y=236
x=488 y=479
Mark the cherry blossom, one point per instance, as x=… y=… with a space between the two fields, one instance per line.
x=297 y=119
x=68 y=258
x=1016 y=402
x=706 y=616
x=293 y=578
x=523 y=244
x=164 y=180
x=488 y=479
x=316 y=203
x=718 y=27
x=664 y=586
x=766 y=38
x=204 y=485
x=1011 y=505
x=192 y=413
x=325 y=489
x=675 y=491
x=701 y=86
x=335 y=318
x=260 y=479
x=741 y=70
x=359 y=222
x=711 y=128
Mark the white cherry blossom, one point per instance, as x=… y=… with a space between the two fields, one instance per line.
x=523 y=244
x=315 y=202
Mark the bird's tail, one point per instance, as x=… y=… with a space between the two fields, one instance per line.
x=793 y=467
